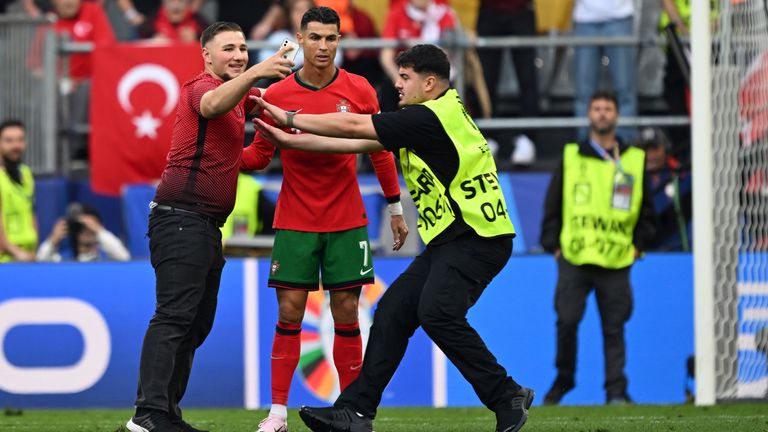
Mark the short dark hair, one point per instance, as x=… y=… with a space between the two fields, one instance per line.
x=321 y=14
x=604 y=95
x=426 y=58
x=218 y=27
x=11 y=123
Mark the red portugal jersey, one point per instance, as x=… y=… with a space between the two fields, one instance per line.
x=204 y=159
x=320 y=191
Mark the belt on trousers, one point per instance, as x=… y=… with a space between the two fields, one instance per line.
x=162 y=208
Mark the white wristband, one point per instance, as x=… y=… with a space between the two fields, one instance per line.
x=395 y=209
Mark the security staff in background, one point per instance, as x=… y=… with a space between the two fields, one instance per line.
x=253 y=212
x=463 y=221
x=597 y=217
x=18 y=225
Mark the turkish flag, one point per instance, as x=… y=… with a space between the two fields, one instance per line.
x=134 y=92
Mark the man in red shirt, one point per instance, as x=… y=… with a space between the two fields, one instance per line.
x=320 y=218
x=174 y=21
x=80 y=21
x=195 y=195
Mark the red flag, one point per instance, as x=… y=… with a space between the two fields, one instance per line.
x=134 y=93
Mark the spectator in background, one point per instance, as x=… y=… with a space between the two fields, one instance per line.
x=509 y=18
x=412 y=19
x=363 y=62
x=80 y=21
x=606 y=18
x=253 y=212
x=88 y=239
x=136 y=12
x=671 y=189
x=175 y=21
x=598 y=218
x=18 y=225
x=676 y=17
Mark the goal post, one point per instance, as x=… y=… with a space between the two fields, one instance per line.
x=729 y=86
x=703 y=220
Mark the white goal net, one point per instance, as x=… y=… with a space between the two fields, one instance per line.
x=740 y=149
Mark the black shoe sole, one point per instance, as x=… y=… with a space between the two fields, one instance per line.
x=317 y=424
x=518 y=426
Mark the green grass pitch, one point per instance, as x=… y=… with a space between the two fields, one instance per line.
x=745 y=417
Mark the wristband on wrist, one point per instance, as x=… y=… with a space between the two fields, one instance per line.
x=289 y=118
x=395 y=209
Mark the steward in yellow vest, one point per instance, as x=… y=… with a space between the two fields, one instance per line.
x=18 y=230
x=598 y=218
x=463 y=220
x=473 y=194
x=244 y=219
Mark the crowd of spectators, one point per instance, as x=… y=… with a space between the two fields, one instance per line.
x=433 y=21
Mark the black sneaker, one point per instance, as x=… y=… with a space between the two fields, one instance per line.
x=512 y=417
x=154 y=421
x=557 y=391
x=334 y=419
x=183 y=426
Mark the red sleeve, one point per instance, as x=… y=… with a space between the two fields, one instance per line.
x=250 y=104
x=200 y=88
x=383 y=161
x=384 y=165
x=257 y=155
x=375 y=108
x=369 y=100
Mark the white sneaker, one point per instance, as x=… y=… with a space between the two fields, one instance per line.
x=273 y=423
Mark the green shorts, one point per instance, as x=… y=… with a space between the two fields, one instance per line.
x=342 y=258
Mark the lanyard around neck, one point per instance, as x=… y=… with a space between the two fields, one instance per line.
x=604 y=154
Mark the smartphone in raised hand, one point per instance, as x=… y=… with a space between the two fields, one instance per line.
x=292 y=51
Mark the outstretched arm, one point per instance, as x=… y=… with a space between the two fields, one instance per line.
x=315 y=143
x=340 y=125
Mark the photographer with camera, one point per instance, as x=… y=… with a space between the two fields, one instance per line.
x=88 y=239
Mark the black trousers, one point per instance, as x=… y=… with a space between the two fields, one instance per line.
x=523 y=23
x=614 y=301
x=186 y=253
x=435 y=292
